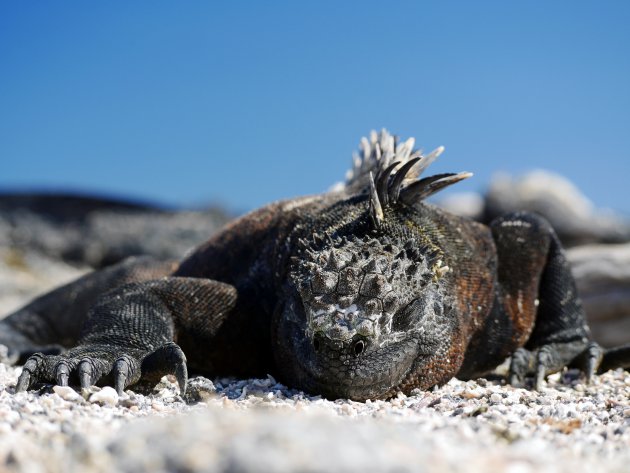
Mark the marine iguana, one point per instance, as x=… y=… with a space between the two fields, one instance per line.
x=361 y=292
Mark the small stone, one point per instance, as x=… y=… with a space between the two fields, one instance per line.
x=67 y=393
x=157 y=406
x=106 y=397
x=496 y=398
x=127 y=401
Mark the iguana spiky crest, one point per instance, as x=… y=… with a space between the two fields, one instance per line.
x=390 y=171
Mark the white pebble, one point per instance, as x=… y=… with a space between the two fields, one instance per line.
x=106 y=396
x=157 y=406
x=67 y=393
x=496 y=397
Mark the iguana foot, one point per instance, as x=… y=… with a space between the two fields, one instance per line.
x=551 y=358
x=105 y=365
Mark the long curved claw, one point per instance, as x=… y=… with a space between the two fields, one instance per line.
x=120 y=379
x=125 y=372
x=167 y=359
x=85 y=371
x=589 y=360
x=175 y=358
x=30 y=372
x=537 y=364
x=519 y=366
x=181 y=374
x=543 y=361
x=62 y=373
x=594 y=356
x=24 y=382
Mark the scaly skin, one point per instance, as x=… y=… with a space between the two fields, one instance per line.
x=358 y=293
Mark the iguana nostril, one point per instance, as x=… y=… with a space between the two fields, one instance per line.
x=316 y=343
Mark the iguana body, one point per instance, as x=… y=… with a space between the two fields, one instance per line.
x=361 y=292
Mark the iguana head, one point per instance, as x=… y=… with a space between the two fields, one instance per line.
x=364 y=309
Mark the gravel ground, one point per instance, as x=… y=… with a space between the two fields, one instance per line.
x=260 y=425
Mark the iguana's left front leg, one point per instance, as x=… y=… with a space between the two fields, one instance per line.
x=539 y=297
x=52 y=322
x=131 y=335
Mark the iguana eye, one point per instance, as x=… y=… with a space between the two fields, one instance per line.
x=358 y=347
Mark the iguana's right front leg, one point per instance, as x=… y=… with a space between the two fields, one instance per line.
x=131 y=334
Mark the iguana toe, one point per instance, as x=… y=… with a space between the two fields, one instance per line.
x=85 y=370
x=62 y=373
x=125 y=372
x=519 y=366
x=589 y=360
x=167 y=359
x=31 y=372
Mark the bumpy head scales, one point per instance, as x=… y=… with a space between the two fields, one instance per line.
x=391 y=170
x=356 y=287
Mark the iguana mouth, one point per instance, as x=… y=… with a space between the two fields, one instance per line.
x=357 y=379
x=333 y=389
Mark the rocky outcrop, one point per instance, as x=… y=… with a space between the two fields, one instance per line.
x=602 y=273
x=576 y=220
x=97 y=232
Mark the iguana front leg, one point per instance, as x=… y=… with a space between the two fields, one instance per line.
x=52 y=322
x=539 y=298
x=131 y=335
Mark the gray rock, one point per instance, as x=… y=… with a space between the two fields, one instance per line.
x=99 y=232
x=574 y=217
x=199 y=389
x=602 y=274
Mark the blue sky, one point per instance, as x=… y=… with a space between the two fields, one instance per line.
x=247 y=102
